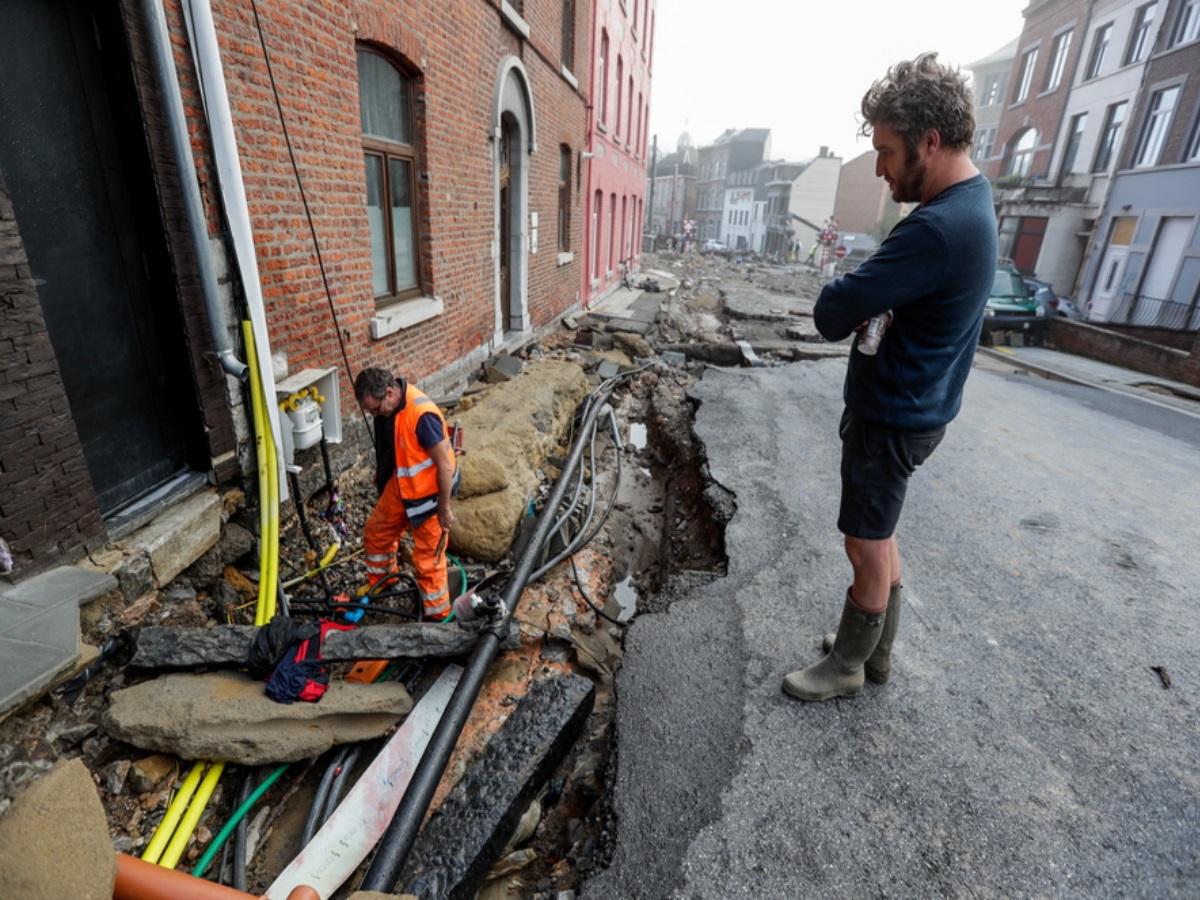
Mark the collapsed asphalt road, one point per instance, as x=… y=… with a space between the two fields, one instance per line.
x=1025 y=746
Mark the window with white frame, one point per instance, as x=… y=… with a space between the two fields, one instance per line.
x=564 y=198
x=1027 y=64
x=1020 y=157
x=386 y=106
x=992 y=92
x=1114 y=118
x=568 y=35
x=602 y=79
x=1139 y=36
x=985 y=142
x=1100 y=40
x=1058 y=61
x=620 y=80
x=1074 y=138
x=1187 y=26
x=1193 y=147
x=1158 y=123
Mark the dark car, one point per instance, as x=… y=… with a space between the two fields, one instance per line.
x=1013 y=309
x=1055 y=305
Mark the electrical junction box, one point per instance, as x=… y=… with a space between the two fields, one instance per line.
x=309 y=406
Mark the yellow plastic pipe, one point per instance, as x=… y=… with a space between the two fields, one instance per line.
x=183 y=833
x=175 y=810
x=261 y=442
x=272 y=517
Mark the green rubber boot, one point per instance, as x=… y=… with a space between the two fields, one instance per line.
x=840 y=674
x=878 y=667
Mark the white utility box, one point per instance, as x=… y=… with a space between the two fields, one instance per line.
x=309 y=405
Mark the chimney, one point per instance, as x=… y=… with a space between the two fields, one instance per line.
x=824 y=151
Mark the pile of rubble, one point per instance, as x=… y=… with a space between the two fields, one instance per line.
x=127 y=730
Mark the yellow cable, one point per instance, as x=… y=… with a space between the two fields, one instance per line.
x=272 y=518
x=184 y=832
x=262 y=440
x=174 y=810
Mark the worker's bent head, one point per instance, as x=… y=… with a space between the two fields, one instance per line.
x=920 y=95
x=375 y=390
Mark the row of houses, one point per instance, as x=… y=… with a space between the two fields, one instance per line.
x=732 y=192
x=1089 y=127
x=367 y=182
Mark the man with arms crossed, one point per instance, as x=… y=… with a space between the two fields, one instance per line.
x=933 y=273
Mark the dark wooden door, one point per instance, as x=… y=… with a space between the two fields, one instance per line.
x=505 y=226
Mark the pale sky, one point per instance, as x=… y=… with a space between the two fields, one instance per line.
x=800 y=68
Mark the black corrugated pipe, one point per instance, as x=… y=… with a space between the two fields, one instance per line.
x=397 y=841
x=181 y=151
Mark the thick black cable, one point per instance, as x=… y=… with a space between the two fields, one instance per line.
x=397 y=841
x=287 y=140
x=312 y=820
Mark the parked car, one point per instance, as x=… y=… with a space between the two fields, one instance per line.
x=1054 y=304
x=711 y=246
x=1013 y=309
x=859 y=247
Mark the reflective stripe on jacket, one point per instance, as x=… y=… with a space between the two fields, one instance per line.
x=416 y=473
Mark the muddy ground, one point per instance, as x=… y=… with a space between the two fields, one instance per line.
x=660 y=524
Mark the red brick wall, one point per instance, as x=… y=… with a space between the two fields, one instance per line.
x=1042 y=112
x=456 y=52
x=47 y=506
x=1094 y=342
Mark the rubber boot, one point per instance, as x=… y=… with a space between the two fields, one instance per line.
x=840 y=674
x=878 y=667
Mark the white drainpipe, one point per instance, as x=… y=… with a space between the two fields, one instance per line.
x=202 y=34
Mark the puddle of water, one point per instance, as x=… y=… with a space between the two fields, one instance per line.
x=637 y=435
x=626 y=596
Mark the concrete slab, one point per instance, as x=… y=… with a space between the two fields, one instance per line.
x=181 y=536
x=65 y=584
x=28 y=669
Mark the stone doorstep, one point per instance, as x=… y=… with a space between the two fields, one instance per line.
x=30 y=670
x=181 y=535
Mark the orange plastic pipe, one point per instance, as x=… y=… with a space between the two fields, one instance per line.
x=140 y=880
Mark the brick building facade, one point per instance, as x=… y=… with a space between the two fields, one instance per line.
x=402 y=164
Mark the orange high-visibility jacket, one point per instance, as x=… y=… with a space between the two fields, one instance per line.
x=415 y=470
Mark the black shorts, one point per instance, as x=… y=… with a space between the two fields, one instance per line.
x=876 y=463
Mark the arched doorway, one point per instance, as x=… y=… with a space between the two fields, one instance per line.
x=516 y=237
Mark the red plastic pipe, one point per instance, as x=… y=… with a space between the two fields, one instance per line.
x=138 y=880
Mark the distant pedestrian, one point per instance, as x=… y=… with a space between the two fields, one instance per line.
x=812 y=254
x=932 y=274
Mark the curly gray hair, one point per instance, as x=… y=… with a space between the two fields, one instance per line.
x=920 y=95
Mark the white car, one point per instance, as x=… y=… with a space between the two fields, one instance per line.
x=710 y=246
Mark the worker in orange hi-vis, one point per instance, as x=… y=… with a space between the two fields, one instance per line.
x=416 y=473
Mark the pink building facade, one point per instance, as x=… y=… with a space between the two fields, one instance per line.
x=616 y=153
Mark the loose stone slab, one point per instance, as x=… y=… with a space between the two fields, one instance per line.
x=226 y=646
x=467 y=833
x=226 y=715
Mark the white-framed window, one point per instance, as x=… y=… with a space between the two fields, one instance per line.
x=564 y=198
x=1027 y=63
x=1139 y=36
x=1058 y=61
x=568 y=35
x=1074 y=138
x=1158 y=123
x=390 y=159
x=620 y=79
x=1187 y=26
x=1193 y=147
x=992 y=92
x=985 y=142
x=1100 y=39
x=1020 y=157
x=602 y=80
x=1114 y=118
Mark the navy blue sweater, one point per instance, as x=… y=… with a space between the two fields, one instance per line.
x=934 y=272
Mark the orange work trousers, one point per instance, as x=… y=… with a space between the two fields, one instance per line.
x=381 y=540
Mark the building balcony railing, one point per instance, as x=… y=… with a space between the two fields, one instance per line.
x=1036 y=190
x=1138 y=309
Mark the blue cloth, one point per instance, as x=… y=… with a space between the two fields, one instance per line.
x=934 y=272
